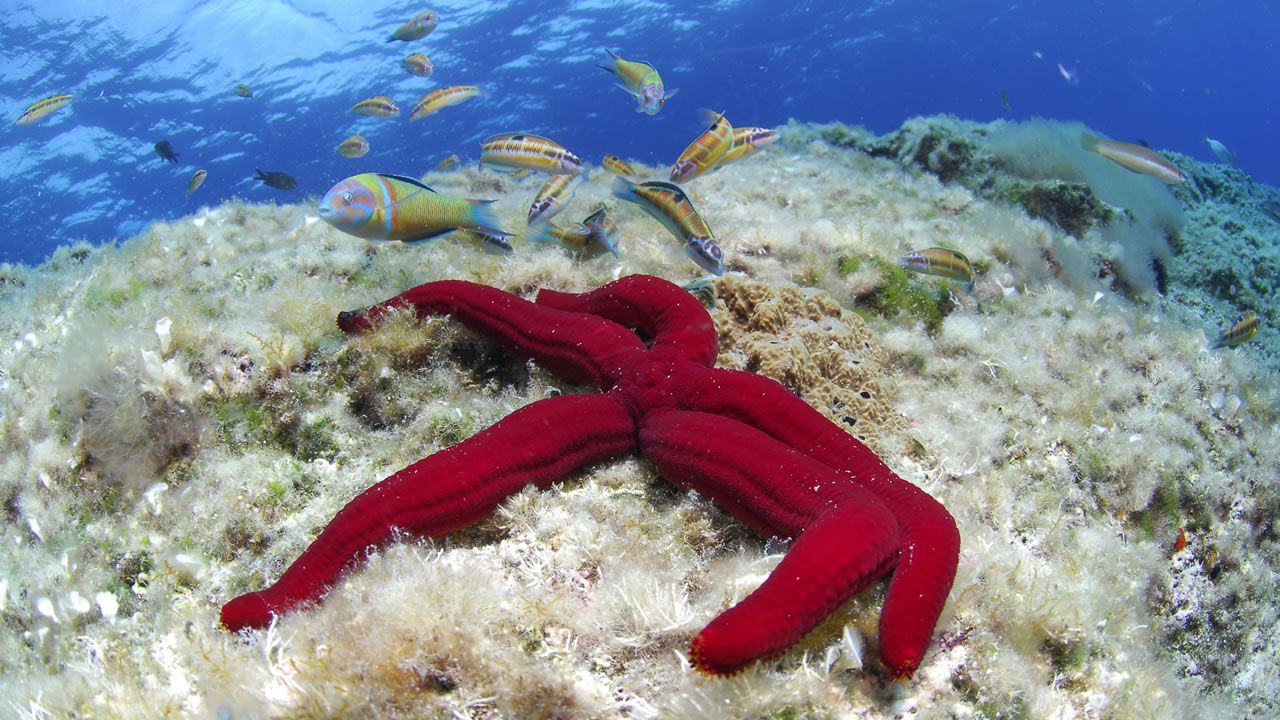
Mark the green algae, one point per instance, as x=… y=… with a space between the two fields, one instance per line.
x=899 y=298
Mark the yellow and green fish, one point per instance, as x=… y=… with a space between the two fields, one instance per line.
x=940 y=262
x=418 y=65
x=375 y=206
x=668 y=204
x=416 y=27
x=43 y=109
x=747 y=141
x=354 y=147
x=197 y=178
x=618 y=166
x=556 y=193
x=642 y=80
x=704 y=152
x=1239 y=333
x=594 y=235
x=376 y=106
x=444 y=97
x=522 y=151
x=447 y=162
x=243 y=90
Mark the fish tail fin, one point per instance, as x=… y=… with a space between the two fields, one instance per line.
x=540 y=232
x=600 y=235
x=623 y=189
x=485 y=219
x=611 y=64
x=1089 y=142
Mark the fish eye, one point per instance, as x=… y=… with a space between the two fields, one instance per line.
x=346 y=198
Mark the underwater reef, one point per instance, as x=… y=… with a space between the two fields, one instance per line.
x=180 y=415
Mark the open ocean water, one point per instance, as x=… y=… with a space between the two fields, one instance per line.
x=1166 y=73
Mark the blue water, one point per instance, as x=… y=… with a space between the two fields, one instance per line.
x=1169 y=73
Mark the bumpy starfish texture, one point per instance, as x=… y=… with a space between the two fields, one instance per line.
x=741 y=439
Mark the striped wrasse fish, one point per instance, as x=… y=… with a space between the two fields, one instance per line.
x=444 y=97
x=1239 y=333
x=416 y=27
x=704 y=152
x=448 y=161
x=517 y=151
x=940 y=262
x=746 y=141
x=491 y=244
x=197 y=178
x=668 y=204
x=640 y=79
x=556 y=193
x=375 y=206
x=618 y=166
x=354 y=147
x=1135 y=158
x=592 y=237
x=43 y=109
x=376 y=106
x=418 y=65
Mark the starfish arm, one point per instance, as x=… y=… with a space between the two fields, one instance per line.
x=930 y=548
x=845 y=537
x=577 y=346
x=662 y=311
x=453 y=488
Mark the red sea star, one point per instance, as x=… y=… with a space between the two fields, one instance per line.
x=742 y=439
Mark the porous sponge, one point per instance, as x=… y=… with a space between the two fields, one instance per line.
x=805 y=340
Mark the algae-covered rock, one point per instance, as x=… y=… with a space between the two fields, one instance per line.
x=805 y=340
x=1070 y=206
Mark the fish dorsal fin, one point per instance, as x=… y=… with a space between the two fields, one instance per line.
x=416 y=183
x=407 y=179
x=504 y=137
x=710 y=117
x=664 y=186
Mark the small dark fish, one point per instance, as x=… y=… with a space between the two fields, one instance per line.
x=277 y=179
x=165 y=151
x=243 y=90
x=1004 y=100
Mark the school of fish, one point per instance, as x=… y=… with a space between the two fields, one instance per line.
x=383 y=206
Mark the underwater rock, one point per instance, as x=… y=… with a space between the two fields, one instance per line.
x=1070 y=206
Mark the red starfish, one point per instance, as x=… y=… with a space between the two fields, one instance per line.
x=742 y=439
